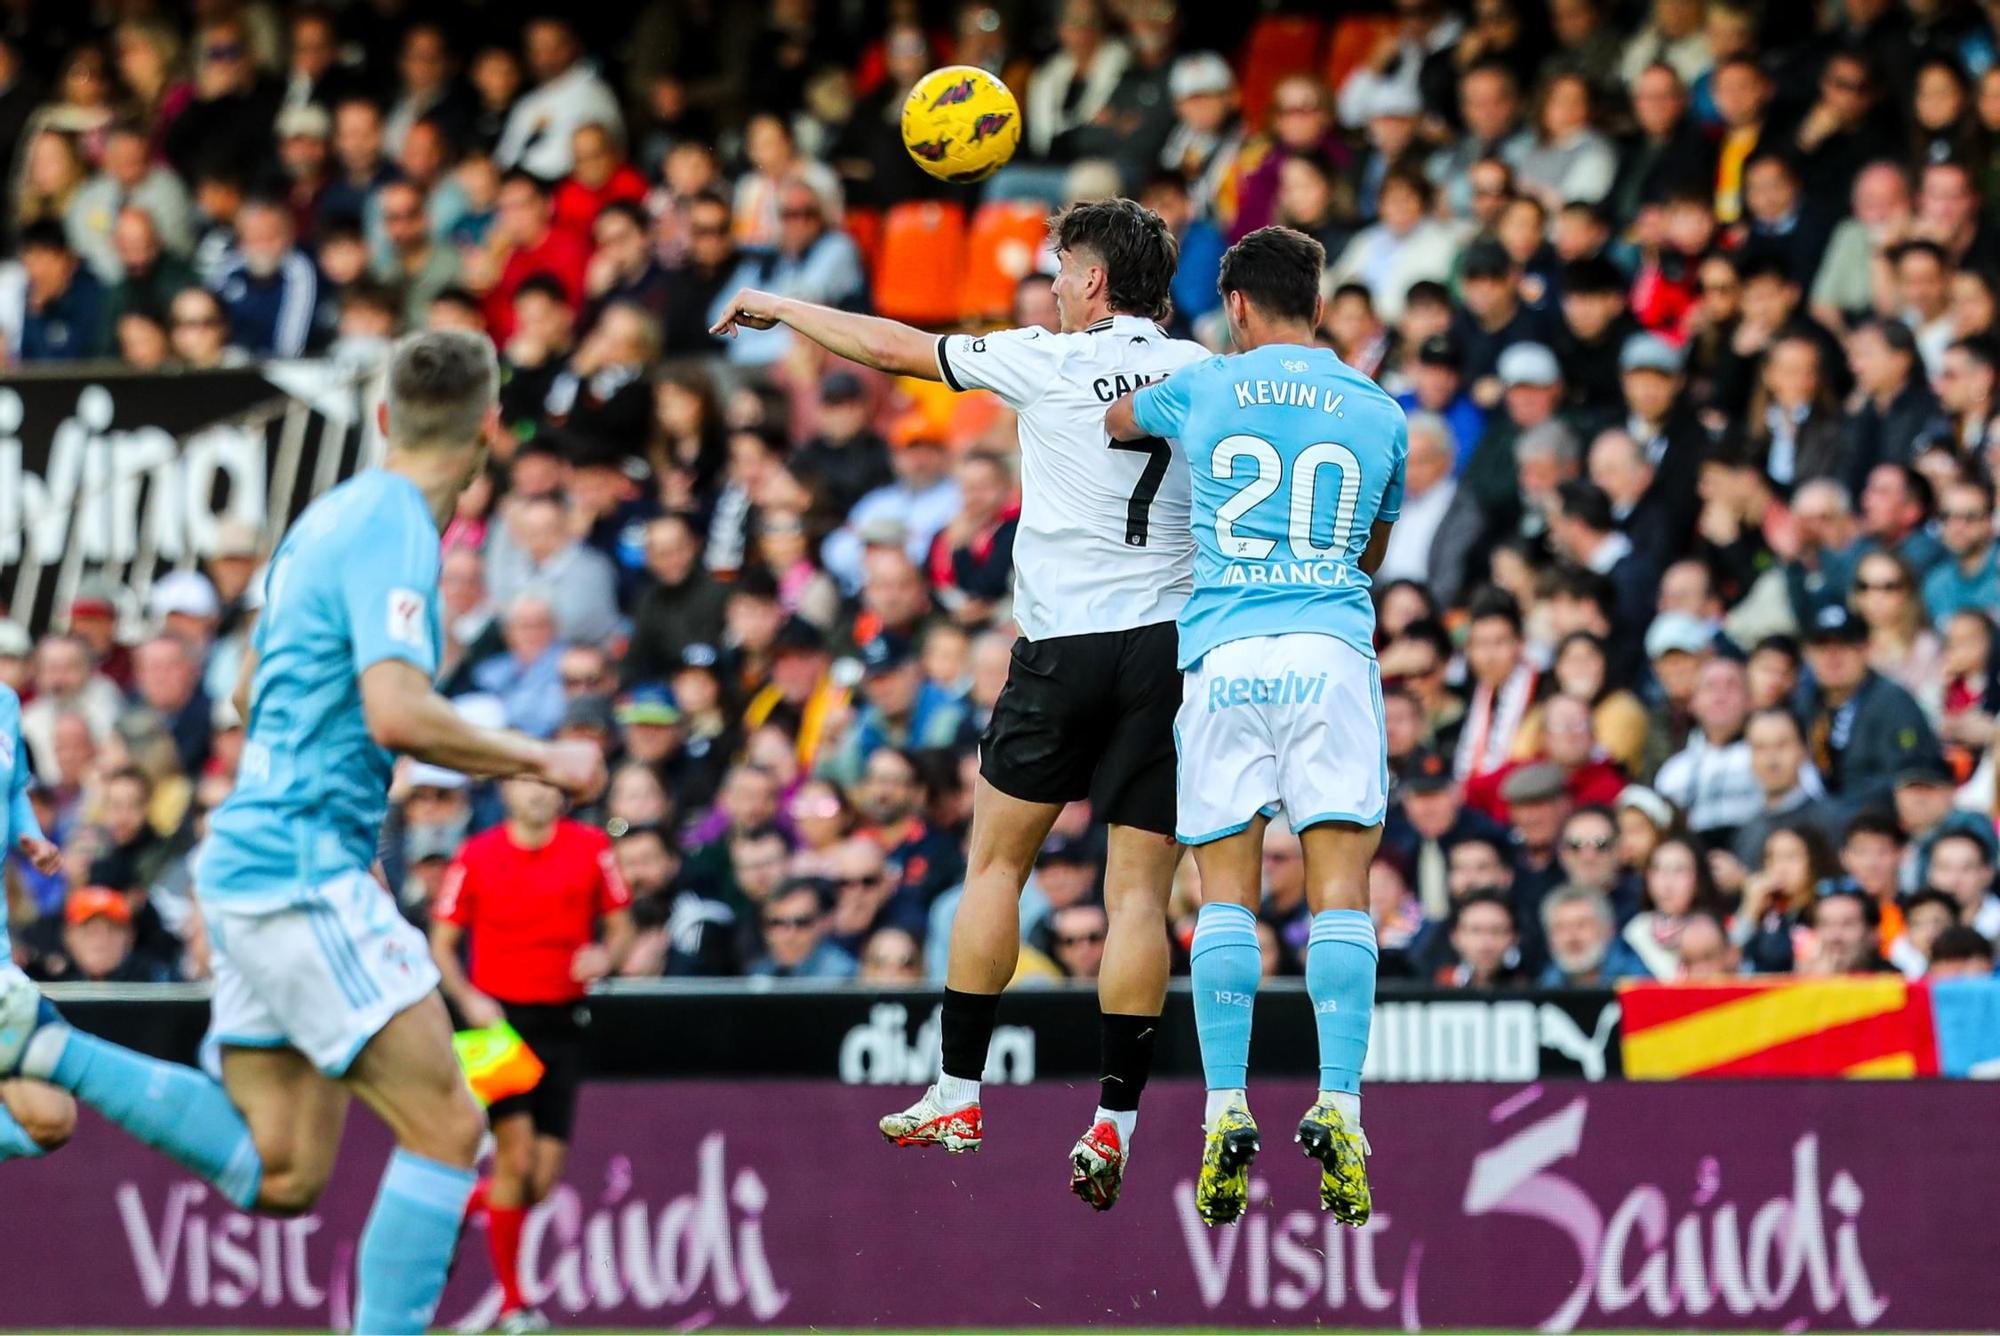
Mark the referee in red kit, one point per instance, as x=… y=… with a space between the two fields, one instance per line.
x=532 y=892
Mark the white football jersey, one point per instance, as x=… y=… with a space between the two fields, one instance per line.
x=1103 y=543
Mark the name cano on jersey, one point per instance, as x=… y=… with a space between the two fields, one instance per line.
x=1110 y=389
x=1291 y=689
x=1288 y=394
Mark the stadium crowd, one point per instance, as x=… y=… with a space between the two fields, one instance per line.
x=1687 y=630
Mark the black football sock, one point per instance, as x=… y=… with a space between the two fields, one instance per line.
x=1127 y=1059
x=967 y=1029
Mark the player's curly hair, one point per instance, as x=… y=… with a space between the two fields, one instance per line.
x=1138 y=250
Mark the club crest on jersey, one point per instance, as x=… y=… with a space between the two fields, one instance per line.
x=952 y=96
x=397 y=957
x=406 y=618
x=931 y=150
x=992 y=123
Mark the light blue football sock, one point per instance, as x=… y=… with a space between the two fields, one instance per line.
x=406 y=1249
x=15 y=1143
x=1340 y=977
x=1225 y=963
x=174 y=1109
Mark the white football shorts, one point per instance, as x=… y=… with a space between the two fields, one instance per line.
x=323 y=975
x=1287 y=723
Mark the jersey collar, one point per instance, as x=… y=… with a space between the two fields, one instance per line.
x=1113 y=322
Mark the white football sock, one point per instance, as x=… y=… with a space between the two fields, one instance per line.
x=956 y=1092
x=1219 y=1100
x=1349 y=1106
x=1125 y=1120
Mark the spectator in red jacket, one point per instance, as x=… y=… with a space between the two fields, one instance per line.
x=972 y=559
x=525 y=242
x=1590 y=776
x=600 y=176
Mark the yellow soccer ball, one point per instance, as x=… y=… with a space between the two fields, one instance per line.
x=961 y=124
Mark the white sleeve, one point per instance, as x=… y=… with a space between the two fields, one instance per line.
x=513 y=135
x=299 y=295
x=1672 y=782
x=1016 y=364
x=600 y=107
x=13 y=305
x=1590 y=176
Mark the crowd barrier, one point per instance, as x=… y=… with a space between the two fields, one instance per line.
x=1866 y=1026
x=867 y=1036
x=1745 y=1205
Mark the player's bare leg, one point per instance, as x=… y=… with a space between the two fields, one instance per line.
x=409 y=1076
x=1340 y=976
x=45 y=1114
x=1138 y=879
x=296 y=1117
x=1131 y=990
x=173 y=1108
x=1007 y=833
x=1226 y=965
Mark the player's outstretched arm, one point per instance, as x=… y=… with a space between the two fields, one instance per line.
x=1121 y=422
x=405 y=715
x=886 y=345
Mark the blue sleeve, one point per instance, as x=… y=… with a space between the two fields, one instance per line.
x=1399 y=454
x=1161 y=409
x=20 y=812
x=389 y=591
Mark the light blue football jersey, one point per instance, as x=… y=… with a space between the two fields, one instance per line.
x=353 y=583
x=1293 y=456
x=17 y=776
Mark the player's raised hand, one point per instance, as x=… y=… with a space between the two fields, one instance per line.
x=751 y=309
x=42 y=856
x=575 y=767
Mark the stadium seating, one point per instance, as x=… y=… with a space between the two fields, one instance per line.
x=1354 y=37
x=1005 y=237
x=1279 y=45
x=921 y=263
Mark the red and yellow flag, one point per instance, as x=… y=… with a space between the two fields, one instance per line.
x=1859 y=1026
x=497 y=1062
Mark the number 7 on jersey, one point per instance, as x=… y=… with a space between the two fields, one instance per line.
x=1139 y=510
